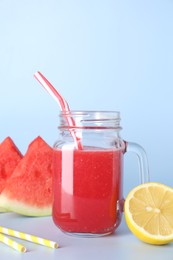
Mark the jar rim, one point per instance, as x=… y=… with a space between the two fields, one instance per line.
x=115 y=113
x=90 y=119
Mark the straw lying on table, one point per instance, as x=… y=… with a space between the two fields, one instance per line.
x=11 y=243
x=24 y=236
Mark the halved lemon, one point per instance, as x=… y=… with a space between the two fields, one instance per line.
x=148 y=211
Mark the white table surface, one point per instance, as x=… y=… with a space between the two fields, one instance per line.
x=121 y=245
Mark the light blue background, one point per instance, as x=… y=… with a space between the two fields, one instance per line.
x=101 y=55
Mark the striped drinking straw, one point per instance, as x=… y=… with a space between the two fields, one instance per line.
x=13 y=244
x=62 y=103
x=24 y=236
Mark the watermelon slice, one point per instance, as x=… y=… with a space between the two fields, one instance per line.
x=9 y=158
x=29 y=190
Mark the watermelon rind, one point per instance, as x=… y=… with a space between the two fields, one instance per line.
x=24 y=209
x=2 y=210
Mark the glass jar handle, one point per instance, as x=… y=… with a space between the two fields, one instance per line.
x=142 y=158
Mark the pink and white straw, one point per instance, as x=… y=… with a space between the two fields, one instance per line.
x=62 y=103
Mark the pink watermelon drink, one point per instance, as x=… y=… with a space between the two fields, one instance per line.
x=87 y=187
x=87 y=181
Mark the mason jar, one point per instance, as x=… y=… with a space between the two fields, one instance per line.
x=88 y=172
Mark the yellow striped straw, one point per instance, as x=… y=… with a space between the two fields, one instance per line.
x=11 y=243
x=28 y=237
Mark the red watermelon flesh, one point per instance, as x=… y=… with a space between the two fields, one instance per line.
x=10 y=156
x=29 y=190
